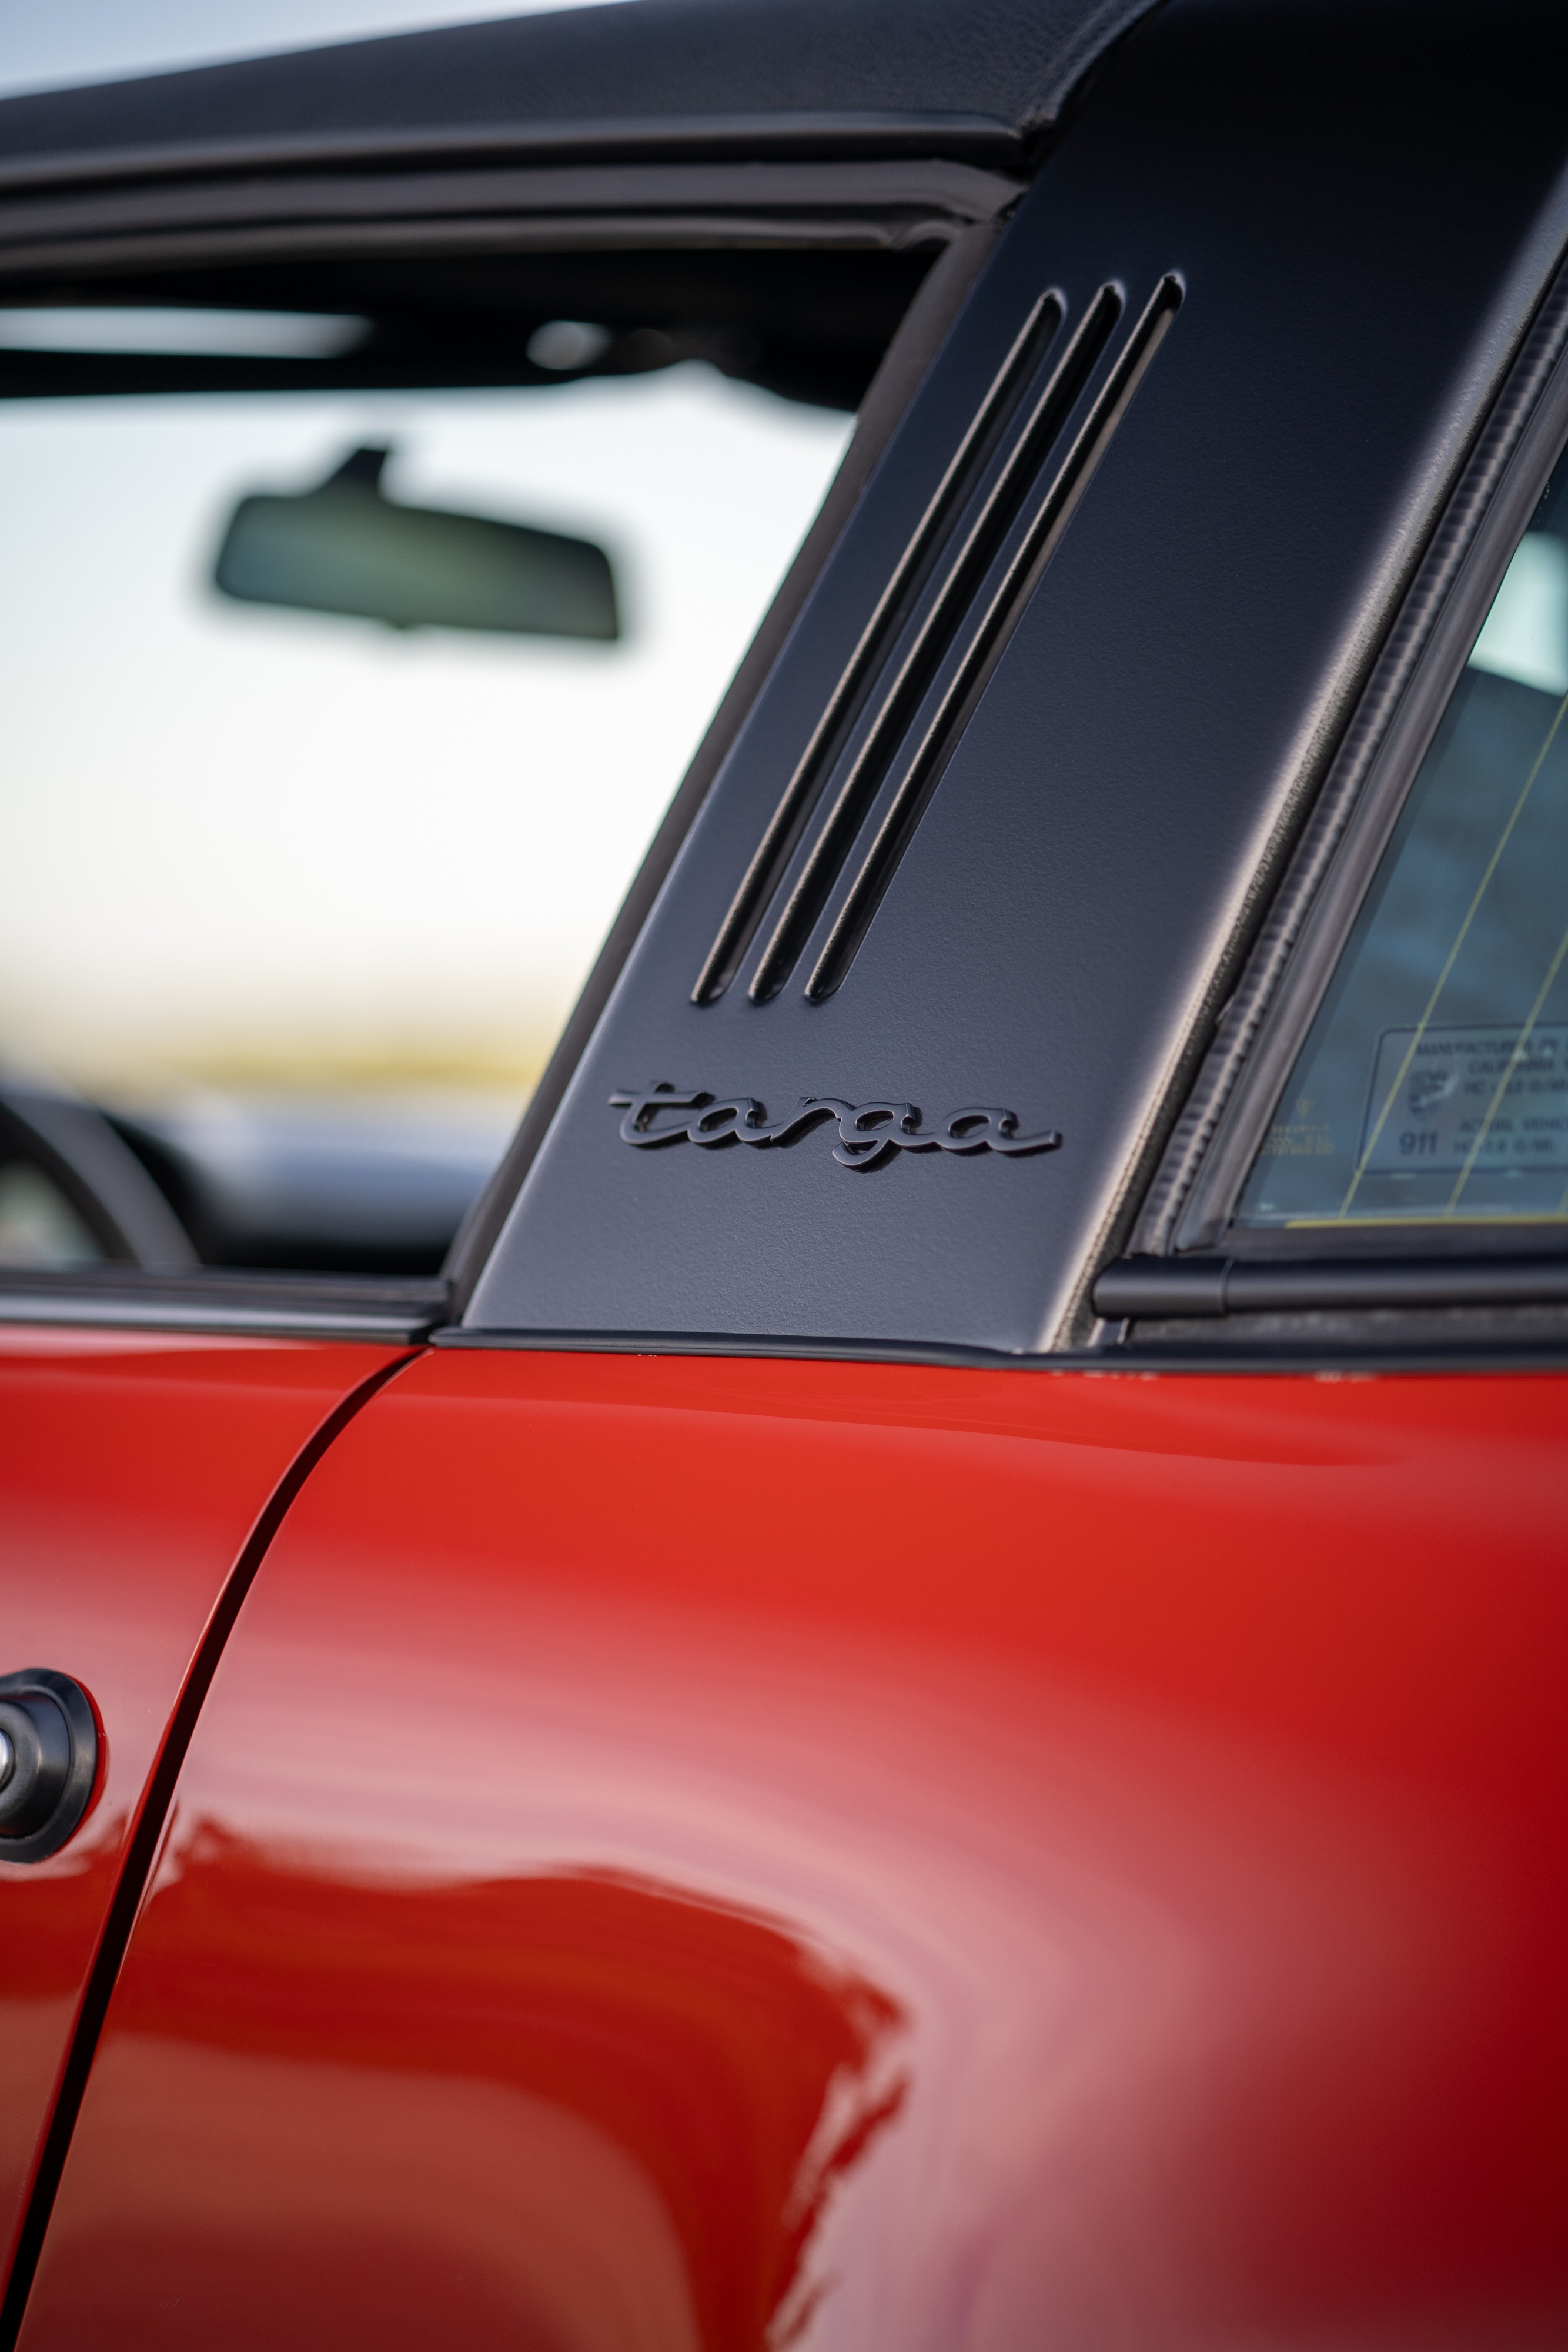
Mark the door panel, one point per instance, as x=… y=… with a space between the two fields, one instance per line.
x=132 y=1468
x=689 y=1853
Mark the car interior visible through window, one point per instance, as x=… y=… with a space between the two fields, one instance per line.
x=338 y=723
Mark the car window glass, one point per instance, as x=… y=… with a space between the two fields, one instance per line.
x=39 y=1226
x=300 y=898
x=1433 y=1087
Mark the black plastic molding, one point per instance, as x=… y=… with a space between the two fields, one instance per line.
x=822 y=137
x=784 y=828
x=1002 y=606
x=978 y=536
x=263 y=1305
x=1138 y=1288
x=883 y=203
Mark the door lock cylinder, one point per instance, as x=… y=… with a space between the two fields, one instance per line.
x=48 y=1762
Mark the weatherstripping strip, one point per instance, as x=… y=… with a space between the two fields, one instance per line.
x=788 y=820
x=1148 y=1288
x=995 y=625
x=932 y=642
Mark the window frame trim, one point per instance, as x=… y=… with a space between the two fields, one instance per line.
x=1191 y=1202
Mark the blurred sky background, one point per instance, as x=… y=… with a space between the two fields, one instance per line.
x=48 y=44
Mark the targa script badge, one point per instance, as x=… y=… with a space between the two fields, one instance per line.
x=869 y=1133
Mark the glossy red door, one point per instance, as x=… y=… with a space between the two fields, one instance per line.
x=686 y=1854
x=132 y=1468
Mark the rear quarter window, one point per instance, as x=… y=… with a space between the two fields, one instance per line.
x=1432 y=1089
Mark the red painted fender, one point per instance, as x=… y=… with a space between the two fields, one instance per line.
x=687 y=1852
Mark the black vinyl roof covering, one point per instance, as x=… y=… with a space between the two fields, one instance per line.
x=971 y=77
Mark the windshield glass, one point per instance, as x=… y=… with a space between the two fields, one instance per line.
x=299 y=896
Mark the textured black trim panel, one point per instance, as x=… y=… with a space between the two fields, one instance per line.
x=1355 y=1354
x=219 y=222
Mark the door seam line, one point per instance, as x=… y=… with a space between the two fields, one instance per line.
x=146 y=1836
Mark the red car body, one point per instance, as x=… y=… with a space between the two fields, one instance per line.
x=720 y=1838
x=1140 y=1800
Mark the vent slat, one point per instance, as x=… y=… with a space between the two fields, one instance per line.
x=789 y=821
x=992 y=627
x=914 y=669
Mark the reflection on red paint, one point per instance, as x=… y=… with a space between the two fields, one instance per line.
x=1184 y=1763
x=133 y=1467
x=659 y=2096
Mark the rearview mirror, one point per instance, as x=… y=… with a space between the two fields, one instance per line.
x=347 y=547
